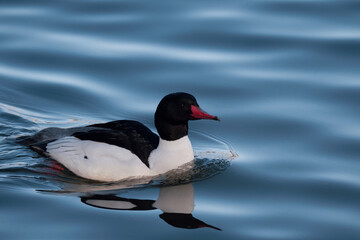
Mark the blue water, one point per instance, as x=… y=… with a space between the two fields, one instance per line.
x=284 y=77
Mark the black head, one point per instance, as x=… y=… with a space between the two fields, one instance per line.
x=173 y=113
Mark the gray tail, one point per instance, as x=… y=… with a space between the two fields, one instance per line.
x=40 y=148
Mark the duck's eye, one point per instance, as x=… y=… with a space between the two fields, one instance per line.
x=182 y=105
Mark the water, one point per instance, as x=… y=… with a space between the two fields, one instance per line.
x=282 y=75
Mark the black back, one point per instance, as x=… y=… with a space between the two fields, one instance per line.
x=131 y=135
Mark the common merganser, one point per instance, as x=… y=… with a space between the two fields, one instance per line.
x=121 y=149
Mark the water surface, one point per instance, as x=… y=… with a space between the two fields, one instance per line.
x=282 y=75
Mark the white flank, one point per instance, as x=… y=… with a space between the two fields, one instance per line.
x=95 y=160
x=105 y=162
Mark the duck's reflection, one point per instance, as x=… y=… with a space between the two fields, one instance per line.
x=176 y=203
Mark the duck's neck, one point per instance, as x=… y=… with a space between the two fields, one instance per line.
x=171 y=131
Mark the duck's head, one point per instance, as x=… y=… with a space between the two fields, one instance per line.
x=173 y=113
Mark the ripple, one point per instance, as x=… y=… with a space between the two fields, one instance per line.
x=22 y=11
x=53 y=77
x=216 y=14
x=107 y=48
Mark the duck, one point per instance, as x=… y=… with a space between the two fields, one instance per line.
x=124 y=149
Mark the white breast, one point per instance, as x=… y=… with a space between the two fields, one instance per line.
x=170 y=155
